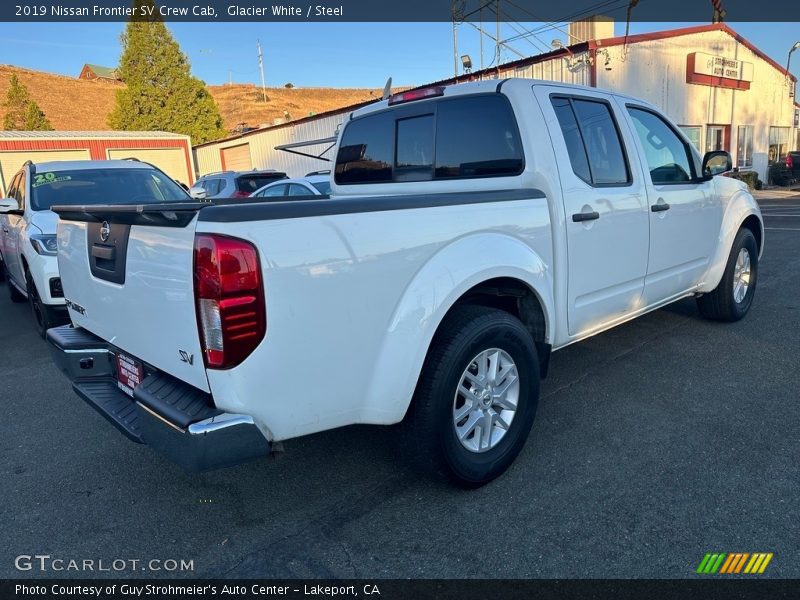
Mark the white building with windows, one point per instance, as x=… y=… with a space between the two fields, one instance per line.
x=723 y=91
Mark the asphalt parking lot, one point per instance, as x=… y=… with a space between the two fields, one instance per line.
x=655 y=443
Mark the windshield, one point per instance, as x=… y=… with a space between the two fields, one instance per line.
x=324 y=187
x=103 y=186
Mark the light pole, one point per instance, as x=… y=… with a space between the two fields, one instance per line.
x=788 y=61
x=789 y=58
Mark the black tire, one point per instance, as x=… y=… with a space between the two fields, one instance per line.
x=13 y=292
x=44 y=316
x=720 y=305
x=431 y=431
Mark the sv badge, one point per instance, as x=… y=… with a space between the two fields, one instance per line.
x=186 y=357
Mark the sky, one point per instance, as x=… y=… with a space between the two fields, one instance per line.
x=316 y=54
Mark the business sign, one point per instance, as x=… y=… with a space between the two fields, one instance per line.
x=718 y=71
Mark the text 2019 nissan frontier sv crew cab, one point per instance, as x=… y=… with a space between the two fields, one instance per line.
x=472 y=230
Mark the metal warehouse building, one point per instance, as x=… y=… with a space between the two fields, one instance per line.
x=721 y=89
x=168 y=151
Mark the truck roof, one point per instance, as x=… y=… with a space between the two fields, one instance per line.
x=493 y=85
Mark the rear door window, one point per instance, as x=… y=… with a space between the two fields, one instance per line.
x=275 y=190
x=299 y=190
x=593 y=141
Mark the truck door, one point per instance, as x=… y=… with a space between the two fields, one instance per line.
x=605 y=207
x=685 y=213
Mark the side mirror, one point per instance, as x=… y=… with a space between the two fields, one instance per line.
x=9 y=206
x=198 y=193
x=716 y=162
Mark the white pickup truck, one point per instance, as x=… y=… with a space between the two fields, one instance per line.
x=472 y=230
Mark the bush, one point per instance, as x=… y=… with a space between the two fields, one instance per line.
x=749 y=177
x=289 y=85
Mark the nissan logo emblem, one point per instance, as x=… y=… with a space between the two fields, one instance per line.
x=105 y=231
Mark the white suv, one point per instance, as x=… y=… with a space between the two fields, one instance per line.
x=28 y=245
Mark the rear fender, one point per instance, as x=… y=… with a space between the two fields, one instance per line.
x=436 y=287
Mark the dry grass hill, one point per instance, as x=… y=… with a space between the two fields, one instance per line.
x=73 y=104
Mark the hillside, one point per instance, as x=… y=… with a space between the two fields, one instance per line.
x=72 y=104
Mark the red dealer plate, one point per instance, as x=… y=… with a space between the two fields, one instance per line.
x=130 y=373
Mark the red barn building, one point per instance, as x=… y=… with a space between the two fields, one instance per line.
x=98 y=73
x=169 y=152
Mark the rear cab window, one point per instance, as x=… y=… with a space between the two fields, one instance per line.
x=251 y=183
x=449 y=138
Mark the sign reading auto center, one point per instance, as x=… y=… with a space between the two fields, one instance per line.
x=168 y=151
x=718 y=71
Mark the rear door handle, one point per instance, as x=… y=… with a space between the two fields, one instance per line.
x=660 y=207
x=585 y=216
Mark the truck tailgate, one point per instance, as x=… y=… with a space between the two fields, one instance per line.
x=130 y=282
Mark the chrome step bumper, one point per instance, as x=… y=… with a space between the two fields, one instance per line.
x=176 y=419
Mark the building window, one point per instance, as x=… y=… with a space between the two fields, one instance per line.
x=716 y=138
x=693 y=133
x=778 y=143
x=744 y=146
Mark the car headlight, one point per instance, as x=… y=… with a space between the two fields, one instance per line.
x=45 y=244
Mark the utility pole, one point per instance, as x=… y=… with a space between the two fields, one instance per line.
x=480 y=30
x=261 y=67
x=719 y=12
x=497 y=36
x=455 y=49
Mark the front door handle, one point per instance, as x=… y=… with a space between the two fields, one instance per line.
x=660 y=207
x=585 y=216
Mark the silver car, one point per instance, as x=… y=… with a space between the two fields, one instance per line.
x=233 y=184
x=310 y=185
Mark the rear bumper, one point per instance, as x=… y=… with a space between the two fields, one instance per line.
x=176 y=419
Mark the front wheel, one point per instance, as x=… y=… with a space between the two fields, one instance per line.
x=44 y=315
x=732 y=298
x=476 y=398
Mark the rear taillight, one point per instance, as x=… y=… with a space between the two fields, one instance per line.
x=789 y=162
x=229 y=297
x=240 y=194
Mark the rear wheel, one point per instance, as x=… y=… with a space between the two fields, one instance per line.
x=732 y=298
x=476 y=398
x=44 y=315
x=13 y=292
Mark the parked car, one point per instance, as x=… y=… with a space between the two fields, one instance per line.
x=313 y=185
x=472 y=230
x=233 y=184
x=792 y=163
x=28 y=244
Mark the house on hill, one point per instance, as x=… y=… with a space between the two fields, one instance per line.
x=98 y=73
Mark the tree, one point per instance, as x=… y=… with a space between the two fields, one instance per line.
x=160 y=92
x=22 y=113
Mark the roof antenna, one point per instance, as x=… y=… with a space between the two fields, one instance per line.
x=387 y=89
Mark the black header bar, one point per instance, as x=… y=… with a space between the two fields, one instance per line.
x=337 y=11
